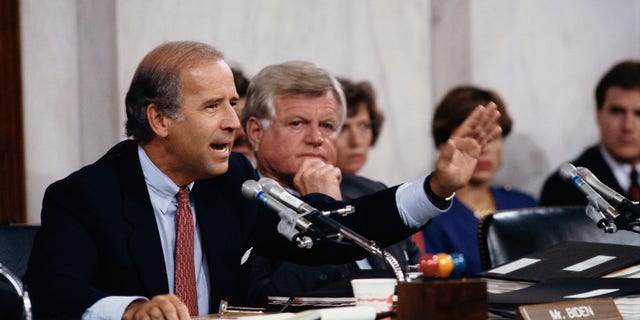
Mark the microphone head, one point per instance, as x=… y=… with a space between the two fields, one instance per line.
x=586 y=174
x=250 y=189
x=270 y=185
x=567 y=171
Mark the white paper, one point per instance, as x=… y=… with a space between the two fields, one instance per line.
x=589 y=263
x=589 y=294
x=513 y=266
x=341 y=313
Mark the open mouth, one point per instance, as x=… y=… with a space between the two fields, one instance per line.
x=219 y=147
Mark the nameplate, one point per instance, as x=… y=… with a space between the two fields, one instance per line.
x=600 y=309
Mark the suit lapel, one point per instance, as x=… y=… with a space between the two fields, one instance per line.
x=604 y=172
x=144 y=244
x=216 y=227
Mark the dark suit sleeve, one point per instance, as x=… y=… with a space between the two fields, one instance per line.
x=376 y=218
x=56 y=268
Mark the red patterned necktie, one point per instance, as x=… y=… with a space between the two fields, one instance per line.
x=634 y=189
x=184 y=273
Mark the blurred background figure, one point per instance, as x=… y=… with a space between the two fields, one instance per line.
x=361 y=128
x=457 y=230
x=241 y=143
x=615 y=160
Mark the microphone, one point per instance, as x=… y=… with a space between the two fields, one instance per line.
x=276 y=191
x=606 y=211
x=603 y=189
x=20 y=289
x=290 y=221
x=273 y=188
x=628 y=208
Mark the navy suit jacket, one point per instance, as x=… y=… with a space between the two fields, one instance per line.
x=99 y=235
x=558 y=192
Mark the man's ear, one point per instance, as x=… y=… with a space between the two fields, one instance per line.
x=158 y=121
x=254 y=132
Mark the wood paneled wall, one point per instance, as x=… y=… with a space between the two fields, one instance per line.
x=12 y=171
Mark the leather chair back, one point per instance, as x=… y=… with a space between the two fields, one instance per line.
x=508 y=235
x=15 y=246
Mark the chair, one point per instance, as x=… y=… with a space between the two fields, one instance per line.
x=15 y=248
x=508 y=235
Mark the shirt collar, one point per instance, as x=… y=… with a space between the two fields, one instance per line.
x=620 y=170
x=161 y=188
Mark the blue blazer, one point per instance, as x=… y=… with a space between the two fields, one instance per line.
x=99 y=235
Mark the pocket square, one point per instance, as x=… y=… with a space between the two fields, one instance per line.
x=245 y=256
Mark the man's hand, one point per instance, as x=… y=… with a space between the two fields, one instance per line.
x=459 y=155
x=167 y=306
x=316 y=176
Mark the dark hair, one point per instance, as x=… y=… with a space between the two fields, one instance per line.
x=241 y=81
x=457 y=104
x=362 y=92
x=625 y=74
x=157 y=80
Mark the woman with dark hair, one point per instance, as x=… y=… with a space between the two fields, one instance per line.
x=457 y=231
x=361 y=128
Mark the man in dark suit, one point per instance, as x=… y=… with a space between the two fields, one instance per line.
x=617 y=156
x=114 y=232
x=306 y=163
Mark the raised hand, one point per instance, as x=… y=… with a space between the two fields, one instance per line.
x=459 y=155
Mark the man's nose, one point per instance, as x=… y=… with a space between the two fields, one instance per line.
x=313 y=135
x=231 y=121
x=630 y=120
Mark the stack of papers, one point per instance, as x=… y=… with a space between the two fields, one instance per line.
x=343 y=313
x=282 y=303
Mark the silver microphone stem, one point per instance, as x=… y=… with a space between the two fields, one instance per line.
x=17 y=285
x=363 y=242
x=394 y=265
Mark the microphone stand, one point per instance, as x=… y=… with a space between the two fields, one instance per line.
x=629 y=217
x=291 y=223
x=17 y=285
x=316 y=216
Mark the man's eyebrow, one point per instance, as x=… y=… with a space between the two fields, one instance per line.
x=215 y=100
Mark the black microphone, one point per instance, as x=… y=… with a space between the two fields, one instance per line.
x=630 y=209
x=607 y=212
x=290 y=221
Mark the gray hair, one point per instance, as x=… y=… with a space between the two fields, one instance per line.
x=293 y=77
